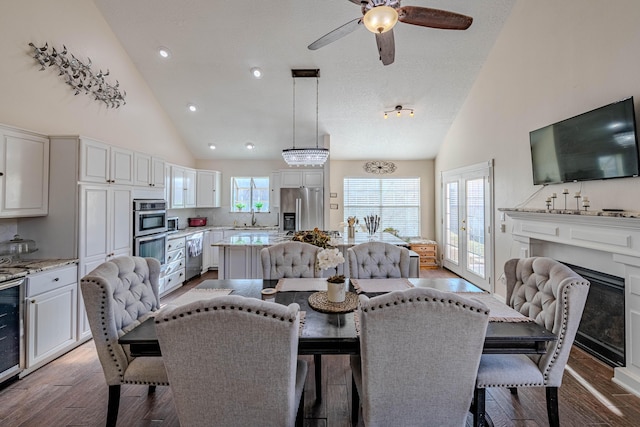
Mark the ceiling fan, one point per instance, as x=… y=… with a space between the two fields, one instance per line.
x=380 y=16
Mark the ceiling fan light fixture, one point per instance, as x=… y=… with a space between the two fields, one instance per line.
x=380 y=19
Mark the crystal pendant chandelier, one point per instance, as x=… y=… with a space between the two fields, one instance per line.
x=305 y=156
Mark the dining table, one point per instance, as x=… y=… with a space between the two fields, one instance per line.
x=327 y=332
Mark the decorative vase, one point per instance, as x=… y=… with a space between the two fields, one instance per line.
x=336 y=292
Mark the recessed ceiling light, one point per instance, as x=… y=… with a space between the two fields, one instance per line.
x=212 y=146
x=164 y=52
x=256 y=72
x=192 y=108
x=250 y=145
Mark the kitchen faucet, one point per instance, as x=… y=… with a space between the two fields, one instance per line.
x=254 y=221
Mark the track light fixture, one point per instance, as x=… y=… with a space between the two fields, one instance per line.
x=398 y=110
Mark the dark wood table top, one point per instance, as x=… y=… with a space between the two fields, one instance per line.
x=325 y=333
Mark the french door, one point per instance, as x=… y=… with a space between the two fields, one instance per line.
x=467 y=195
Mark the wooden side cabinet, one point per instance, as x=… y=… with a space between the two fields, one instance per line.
x=428 y=251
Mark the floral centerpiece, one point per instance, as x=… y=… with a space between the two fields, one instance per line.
x=328 y=257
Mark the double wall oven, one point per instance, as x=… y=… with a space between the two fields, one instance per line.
x=150 y=229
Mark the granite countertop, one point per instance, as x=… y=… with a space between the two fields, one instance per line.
x=191 y=230
x=22 y=268
x=251 y=238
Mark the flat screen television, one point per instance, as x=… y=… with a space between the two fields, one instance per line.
x=598 y=144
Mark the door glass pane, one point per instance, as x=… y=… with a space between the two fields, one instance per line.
x=451 y=222
x=475 y=226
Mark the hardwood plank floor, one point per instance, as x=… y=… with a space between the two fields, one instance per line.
x=70 y=391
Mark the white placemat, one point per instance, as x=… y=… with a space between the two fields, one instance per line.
x=498 y=311
x=380 y=285
x=199 y=294
x=301 y=284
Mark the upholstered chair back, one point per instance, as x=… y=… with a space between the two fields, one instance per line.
x=232 y=360
x=554 y=296
x=119 y=295
x=419 y=355
x=289 y=259
x=378 y=260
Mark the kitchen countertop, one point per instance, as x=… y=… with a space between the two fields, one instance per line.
x=191 y=230
x=22 y=268
x=251 y=238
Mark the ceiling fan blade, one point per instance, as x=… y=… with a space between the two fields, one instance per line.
x=434 y=18
x=334 y=35
x=386 y=47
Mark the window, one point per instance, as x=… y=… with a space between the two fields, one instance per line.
x=250 y=193
x=395 y=200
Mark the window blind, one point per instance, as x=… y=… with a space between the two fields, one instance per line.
x=395 y=200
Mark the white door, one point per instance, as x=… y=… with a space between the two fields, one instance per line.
x=466 y=221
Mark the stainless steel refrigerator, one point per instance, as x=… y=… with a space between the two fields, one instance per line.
x=301 y=209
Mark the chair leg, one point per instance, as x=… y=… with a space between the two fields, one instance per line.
x=552 y=406
x=114 y=405
x=152 y=389
x=513 y=390
x=300 y=413
x=317 y=362
x=478 y=407
x=355 y=402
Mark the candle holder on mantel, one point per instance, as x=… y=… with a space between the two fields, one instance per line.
x=565 y=192
x=553 y=201
x=548 y=202
x=577 y=197
x=585 y=203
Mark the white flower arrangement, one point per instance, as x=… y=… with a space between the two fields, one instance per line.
x=329 y=258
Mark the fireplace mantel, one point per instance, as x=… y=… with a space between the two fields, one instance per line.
x=615 y=236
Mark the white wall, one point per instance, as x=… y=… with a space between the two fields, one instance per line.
x=415 y=168
x=40 y=100
x=553 y=60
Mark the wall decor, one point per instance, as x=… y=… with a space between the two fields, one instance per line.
x=79 y=75
x=379 y=167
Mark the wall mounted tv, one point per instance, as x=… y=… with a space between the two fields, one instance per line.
x=599 y=144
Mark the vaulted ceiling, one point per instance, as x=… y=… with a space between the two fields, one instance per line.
x=214 y=44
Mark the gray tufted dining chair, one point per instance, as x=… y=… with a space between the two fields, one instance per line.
x=378 y=260
x=553 y=296
x=245 y=373
x=118 y=296
x=289 y=259
x=419 y=354
x=292 y=260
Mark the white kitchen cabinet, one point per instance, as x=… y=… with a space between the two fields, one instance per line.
x=309 y=178
x=214 y=254
x=105 y=164
x=174 y=273
x=274 y=190
x=148 y=171
x=51 y=314
x=24 y=173
x=105 y=222
x=208 y=189
x=183 y=187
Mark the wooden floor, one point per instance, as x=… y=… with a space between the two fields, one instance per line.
x=71 y=391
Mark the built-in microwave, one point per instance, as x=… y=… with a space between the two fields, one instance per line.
x=149 y=217
x=173 y=224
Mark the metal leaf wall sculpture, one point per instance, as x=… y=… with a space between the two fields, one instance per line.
x=79 y=76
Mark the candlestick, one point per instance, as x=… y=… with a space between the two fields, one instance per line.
x=553 y=201
x=585 y=205
x=577 y=197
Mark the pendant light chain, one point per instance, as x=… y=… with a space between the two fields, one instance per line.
x=317 y=101
x=294 y=113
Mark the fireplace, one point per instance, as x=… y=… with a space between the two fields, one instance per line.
x=608 y=242
x=601 y=331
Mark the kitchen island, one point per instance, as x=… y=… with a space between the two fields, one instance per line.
x=240 y=253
